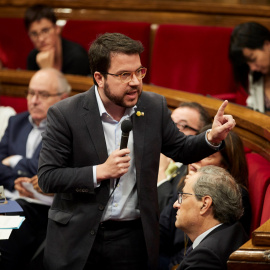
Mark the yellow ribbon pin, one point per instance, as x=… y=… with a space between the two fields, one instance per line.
x=138 y=113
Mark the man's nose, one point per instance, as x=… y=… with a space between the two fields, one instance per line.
x=176 y=205
x=134 y=79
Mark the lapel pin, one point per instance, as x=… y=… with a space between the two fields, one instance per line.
x=138 y=113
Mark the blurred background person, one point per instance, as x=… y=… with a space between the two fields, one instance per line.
x=51 y=50
x=19 y=152
x=249 y=52
x=189 y=117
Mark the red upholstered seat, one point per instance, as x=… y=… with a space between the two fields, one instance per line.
x=266 y=206
x=194 y=59
x=85 y=32
x=19 y=104
x=14 y=42
x=259 y=189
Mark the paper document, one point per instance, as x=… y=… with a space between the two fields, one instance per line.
x=5 y=234
x=38 y=197
x=11 y=222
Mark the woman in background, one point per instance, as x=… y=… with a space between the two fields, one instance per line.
x=249 y=53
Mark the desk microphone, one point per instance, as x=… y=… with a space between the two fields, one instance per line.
x=126 y=127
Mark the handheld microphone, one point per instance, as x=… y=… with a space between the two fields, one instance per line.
x=126 y=127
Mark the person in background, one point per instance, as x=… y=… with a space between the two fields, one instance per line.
x=51 y=50
x=208 y=210
x=173 y=242
x=249 y=53
x=189 y=117
x=20 y=150
x=21 y=143
x=99 y=189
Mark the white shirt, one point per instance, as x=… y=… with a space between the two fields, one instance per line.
x=198 y=240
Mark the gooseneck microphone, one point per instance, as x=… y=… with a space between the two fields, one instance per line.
x=126 y=127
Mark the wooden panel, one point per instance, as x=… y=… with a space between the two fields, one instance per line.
x=194 y=12
x=253 y=127
x=251 y=256
x=261 y=236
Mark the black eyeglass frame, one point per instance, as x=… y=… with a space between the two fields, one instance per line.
x=186 y=127
x=180 y=196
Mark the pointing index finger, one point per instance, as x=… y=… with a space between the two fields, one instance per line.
x=222 y=108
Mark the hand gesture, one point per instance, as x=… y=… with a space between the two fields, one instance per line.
x=222 y=125
x=45 y=59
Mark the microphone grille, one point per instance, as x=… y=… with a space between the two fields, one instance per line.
x=126 y=126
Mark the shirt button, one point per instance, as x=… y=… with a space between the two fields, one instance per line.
x=92 y=232
x=116 y=204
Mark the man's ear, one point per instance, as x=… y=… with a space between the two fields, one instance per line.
x=206 y=204
x=99 y=79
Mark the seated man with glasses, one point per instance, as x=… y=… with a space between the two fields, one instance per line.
x=19 y=154
x=21 y=143
x=189 y=117
x=208 y=212
x=50 y=49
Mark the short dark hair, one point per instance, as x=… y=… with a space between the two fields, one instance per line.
x=250 y=35
x=109 y=43
x=205 y=118
x=38 y=12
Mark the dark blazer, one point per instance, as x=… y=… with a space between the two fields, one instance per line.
x=14 y=143
x=73 y=142
x=214 y=250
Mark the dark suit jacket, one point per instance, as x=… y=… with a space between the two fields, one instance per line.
x=73 y=142
x=14 y=143
x=214 y=250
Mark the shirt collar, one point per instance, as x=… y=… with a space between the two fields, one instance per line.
x=198 y=240
x=42 y=124
x=102 y=110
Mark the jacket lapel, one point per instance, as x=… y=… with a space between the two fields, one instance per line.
x=138 y=137
x=94 y=125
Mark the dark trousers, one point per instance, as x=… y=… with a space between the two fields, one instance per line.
x=17 y=251
x=119 y=245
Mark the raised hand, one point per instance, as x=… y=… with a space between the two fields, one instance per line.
x=222 y=125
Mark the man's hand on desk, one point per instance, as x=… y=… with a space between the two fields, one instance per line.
x=23 y=191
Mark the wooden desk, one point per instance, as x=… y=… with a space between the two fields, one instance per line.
x=255 y=254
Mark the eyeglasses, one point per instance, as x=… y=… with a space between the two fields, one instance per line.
x=181 y=194
x=126 y=77
x=41 y=95
x=44 y=33
x=182 y=126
